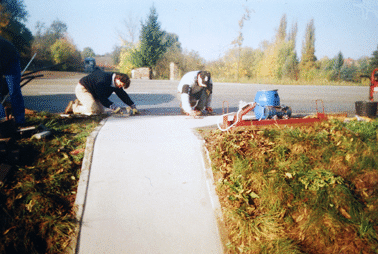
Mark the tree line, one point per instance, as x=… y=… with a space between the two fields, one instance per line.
x=51 y=45
x=156 y=49
x=12 y=27
x=277 y=61
x=273 y=61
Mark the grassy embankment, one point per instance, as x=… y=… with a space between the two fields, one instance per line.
x=300 y=189
x=306 y=189
x=37 y=213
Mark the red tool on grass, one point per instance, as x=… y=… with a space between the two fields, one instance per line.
x=268 y=111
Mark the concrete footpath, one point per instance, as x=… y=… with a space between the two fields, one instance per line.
x=144 y=188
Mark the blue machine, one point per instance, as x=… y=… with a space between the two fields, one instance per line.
x=268 y=105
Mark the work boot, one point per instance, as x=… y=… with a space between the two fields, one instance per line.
x=69 y=109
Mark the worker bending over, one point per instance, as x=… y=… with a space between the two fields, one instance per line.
x=94 y=90
x=196 y=88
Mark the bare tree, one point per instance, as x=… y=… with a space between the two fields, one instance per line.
x=239 y=40
x=132 y=30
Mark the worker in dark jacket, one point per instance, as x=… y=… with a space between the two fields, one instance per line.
x=94 y=90
x=10 y=78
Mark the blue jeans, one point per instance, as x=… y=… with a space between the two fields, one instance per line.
x=13 y=79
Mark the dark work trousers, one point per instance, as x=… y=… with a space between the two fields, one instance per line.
x=199 y=100
x=13 y=79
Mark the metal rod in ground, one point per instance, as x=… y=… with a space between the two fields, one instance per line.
x=26 y=67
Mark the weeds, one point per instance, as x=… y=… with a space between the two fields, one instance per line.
x=304 y=189
x=36 y=202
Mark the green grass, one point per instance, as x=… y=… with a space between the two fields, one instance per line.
x=303 y=189
x=37 y=213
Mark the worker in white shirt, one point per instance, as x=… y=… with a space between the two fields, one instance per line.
x=196 y=88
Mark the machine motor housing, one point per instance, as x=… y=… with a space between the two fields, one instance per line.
x=270 y=112
x=268 y=105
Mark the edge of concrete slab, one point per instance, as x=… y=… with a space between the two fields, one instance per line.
x=82 y=188
x=206 y=161
x=81 y=193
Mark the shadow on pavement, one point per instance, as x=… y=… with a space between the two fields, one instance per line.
x=56 y=103
x=161 y=111
x=147 y=99
x=50 y=103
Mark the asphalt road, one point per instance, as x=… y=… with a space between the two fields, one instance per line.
x=160 y=96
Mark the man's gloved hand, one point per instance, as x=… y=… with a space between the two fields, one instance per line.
x=115 y=108
x=209 y=110
x=194 y=113
x=134 y=110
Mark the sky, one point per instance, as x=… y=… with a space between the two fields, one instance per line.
x=209 y=26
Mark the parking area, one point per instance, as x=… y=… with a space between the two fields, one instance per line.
x=52 y=94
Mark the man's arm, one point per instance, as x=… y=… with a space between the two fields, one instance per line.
x=185 y=101
x=124 y=97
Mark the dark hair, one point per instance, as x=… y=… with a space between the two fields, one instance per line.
x=205 y=76
x=123 y=78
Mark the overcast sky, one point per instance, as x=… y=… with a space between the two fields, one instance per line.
x=209 y=27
